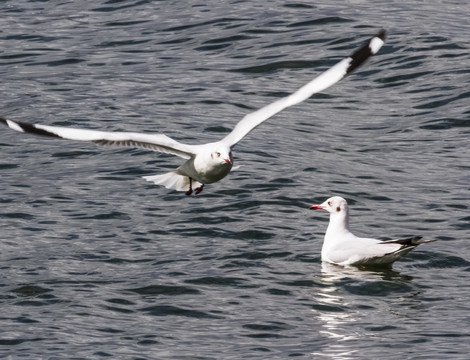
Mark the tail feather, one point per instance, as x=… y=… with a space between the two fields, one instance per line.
x=172 y=180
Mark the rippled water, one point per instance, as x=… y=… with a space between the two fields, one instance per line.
x=97 y=263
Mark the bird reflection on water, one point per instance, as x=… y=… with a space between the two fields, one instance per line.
x=341 y=308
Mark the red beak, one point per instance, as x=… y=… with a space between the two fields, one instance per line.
x=227 y=160
x=316 y=207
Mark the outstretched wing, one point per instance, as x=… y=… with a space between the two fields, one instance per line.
x=154 y=142
x=320 y=83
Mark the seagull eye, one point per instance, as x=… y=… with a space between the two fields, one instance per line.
x=218 y=154
x=329 y=203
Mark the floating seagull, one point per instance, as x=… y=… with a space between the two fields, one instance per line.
x=342 y=247
x=207 y=163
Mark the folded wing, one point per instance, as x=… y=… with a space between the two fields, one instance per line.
x=153 y=142
x=320 y=83
x=408 y=242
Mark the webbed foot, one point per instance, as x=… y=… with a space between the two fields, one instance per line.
x=199 y=189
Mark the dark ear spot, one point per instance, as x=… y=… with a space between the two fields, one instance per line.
x=338 y=209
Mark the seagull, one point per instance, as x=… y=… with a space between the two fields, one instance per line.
x=211 y=162
x=342 y=247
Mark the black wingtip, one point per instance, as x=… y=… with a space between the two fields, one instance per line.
x=27 y=128
x=360 y=56
x=382 y=34
x=409 y=242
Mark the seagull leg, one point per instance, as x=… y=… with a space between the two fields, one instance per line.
x=199 y=189
x=190 y=191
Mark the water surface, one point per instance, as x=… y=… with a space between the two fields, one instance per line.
x=97 y=263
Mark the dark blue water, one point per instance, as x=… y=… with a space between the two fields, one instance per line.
x=97 y=263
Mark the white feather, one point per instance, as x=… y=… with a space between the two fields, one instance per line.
x=342 y=247
x=154 y=142
x=210 y=162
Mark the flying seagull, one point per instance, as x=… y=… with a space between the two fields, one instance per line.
x=342 y=247
x=207 y=163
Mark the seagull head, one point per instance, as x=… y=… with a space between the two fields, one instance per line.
x=334 y=205
x=221 y=155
